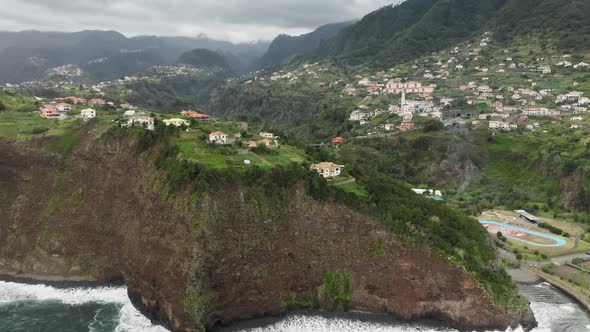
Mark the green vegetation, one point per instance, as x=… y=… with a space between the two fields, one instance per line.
x=197 y=303
x=552 y=229
x=414 y=28
x=66 y=143
x=337 y=288
x=310 y=300
x=203 y=58
x=421 y=221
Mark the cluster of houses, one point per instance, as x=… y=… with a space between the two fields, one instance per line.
x=511 y=105
x=407 y=108
x=58 y=108
x=268 y=140
x=60 y=111
x=569 y=103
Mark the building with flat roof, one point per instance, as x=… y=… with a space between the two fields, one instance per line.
x=527 y=216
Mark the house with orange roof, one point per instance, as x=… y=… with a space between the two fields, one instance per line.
x=338 y=140
x=406 y=126
x=97 y=102
x=195 y=115
x=127 y=106
x=76 y=100
x=49 y=112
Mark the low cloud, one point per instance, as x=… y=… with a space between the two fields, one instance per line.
x=233 y=20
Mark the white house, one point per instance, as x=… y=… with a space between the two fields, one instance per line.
x=146 y=121
x=267 y=135
x=218 y=137
x=502 y=125
x=430 y=192
x=536 y=111
x=88 y=113
x=357 y=116
x=328 y=170
x=63 y=107
x=176 y=122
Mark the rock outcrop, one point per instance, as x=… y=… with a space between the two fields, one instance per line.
x=194 y=261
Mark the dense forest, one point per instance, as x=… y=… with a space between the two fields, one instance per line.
x=203 y=58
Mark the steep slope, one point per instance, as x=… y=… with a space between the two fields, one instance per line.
x=285 y=47
x=235 y=252
x=416 y=27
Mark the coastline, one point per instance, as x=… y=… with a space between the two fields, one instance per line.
x=53 y=280
x=542 y=277
x=361 y=316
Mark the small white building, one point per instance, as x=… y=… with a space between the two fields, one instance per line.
x=176 y=122
x=502 y=125
x=146 y=121
x=430 y=192
x=218 y=137
x=357 y=116
x=64 y=107
x=267 y=135
x=88 y=113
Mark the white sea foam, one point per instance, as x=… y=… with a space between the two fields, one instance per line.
x=130 y=319
x=568 y=316
x=321 y=324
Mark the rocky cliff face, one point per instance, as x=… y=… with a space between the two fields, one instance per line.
x=194 y=261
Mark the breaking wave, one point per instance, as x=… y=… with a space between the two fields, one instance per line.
x=129 y=318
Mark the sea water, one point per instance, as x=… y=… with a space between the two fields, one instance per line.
x=39 y=308
x=36 y=308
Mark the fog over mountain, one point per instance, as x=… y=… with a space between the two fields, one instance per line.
x=108 y=39
x=233 y=20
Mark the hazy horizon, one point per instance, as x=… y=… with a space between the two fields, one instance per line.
x=233 y=20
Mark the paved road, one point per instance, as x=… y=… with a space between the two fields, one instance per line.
x=559 y=260
x=568 y=258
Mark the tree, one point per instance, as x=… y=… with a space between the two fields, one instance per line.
x=433 y=125
x=2 y=106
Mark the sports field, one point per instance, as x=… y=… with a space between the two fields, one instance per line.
x=523 y=235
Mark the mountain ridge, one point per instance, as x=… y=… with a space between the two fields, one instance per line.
x=27 y=55
x=285 y=47
x=394 y=34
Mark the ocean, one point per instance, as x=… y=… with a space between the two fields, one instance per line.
x=39 y=308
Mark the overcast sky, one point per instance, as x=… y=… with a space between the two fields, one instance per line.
x=234 y=20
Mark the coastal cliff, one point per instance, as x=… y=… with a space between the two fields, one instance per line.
x=193 y=261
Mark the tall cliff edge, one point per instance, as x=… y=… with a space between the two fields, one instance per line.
x=194 y=261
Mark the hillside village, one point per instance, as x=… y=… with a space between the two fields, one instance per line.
x=475 y=83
